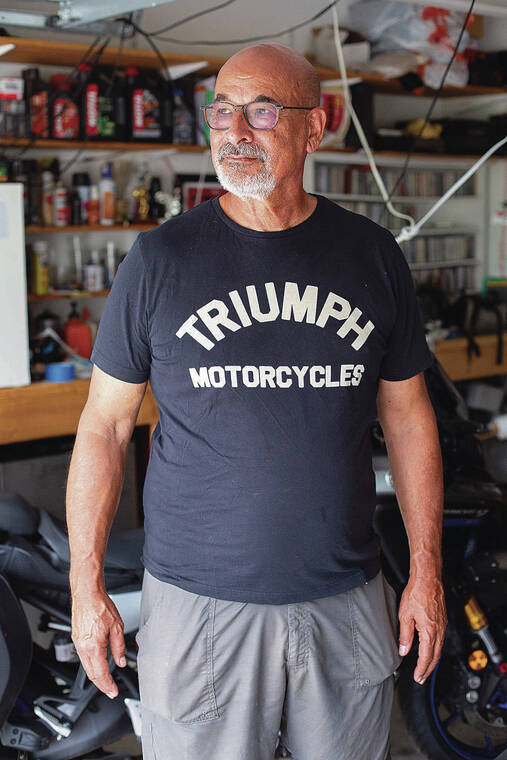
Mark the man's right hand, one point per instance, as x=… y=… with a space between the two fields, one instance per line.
x=95 y=623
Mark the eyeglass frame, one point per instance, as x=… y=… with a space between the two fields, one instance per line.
x=245 y=106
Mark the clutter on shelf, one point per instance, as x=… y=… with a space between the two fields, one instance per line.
x=98 y=103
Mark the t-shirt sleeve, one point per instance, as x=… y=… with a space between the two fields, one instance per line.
x=407 y=352
x=122 y=347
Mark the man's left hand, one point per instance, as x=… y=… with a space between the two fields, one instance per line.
x=422 y=607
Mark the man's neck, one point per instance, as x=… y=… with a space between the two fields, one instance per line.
x=269 y=215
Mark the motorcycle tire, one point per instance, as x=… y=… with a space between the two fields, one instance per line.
x=418 y=707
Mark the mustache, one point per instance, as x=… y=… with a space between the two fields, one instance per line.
x=242 y=149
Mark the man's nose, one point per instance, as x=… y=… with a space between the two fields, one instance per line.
x=240 y=130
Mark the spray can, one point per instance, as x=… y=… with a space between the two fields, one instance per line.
x=40 y=268
x=107 y=194
x=60 y=205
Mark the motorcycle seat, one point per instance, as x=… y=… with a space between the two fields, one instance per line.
x=17 y=516
x=123 y=548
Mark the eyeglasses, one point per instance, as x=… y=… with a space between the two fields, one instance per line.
x=258 y=114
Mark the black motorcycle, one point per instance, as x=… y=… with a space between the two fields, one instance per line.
x=49 y=709
x=48 y=706
x=461 y=710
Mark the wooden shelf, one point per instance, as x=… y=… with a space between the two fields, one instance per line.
x=47 y=410
x=34 y=298
x=54 y=53
x=354 y=153
x=69 y=229
x=96 y=145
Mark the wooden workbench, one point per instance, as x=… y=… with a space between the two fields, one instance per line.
x=46 y=410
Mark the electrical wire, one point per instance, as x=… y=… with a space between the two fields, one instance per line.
x=117 y=60
x=433 y=102
x=246 y=39
x=154 y=47
x=408 y=233
x=191 y=18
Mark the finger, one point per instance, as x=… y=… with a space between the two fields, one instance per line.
x=426 y=652
x=429 y=670
x=117 y=644
x=94 y=661
x=437 y=653
x=406 y=635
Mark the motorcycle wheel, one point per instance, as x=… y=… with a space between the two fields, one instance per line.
x=436 y=720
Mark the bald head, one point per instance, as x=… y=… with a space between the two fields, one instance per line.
x=278 y=63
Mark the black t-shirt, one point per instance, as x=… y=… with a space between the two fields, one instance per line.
x=264 y=352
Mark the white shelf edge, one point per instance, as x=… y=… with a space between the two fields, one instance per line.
x=444 y=264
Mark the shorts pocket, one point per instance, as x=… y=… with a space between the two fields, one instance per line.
x=175 y=659
x=374 y=626
x=151 y=594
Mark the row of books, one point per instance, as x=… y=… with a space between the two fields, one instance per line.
x=379 y=213
x=449 y=280
x=358 y=180
x=425 y=250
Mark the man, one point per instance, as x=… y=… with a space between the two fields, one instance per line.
x=271 y=324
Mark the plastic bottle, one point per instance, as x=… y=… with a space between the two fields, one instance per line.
x=144 y=115
x=183 y=121
x=94 y=205
x=64 y=111
x=93 y=274
x=107 y=193
x=77 y=333
x=36 y=104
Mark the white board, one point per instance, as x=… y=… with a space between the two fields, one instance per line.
x=14 y=348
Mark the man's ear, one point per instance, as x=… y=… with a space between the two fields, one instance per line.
x=316 y=126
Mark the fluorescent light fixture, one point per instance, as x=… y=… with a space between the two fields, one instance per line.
x=79 y=12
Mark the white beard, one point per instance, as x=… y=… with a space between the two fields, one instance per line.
x=256 y=186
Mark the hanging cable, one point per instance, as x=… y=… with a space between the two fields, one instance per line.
x=191 y=18
x=243 y=41
x=154 y=47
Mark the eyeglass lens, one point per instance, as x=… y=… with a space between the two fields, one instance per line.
x=258 y=115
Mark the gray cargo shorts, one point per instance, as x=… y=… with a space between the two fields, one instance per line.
x=219 y=679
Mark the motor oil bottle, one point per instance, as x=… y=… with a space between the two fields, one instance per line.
x=164 y=87
x=36 y=104
x=144 y=113
x=89 y=102
x=64 y=112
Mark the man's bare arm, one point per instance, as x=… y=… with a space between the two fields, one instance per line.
x=411 y=434
x=93 y=490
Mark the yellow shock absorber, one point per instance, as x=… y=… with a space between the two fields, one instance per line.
x=476 y=617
